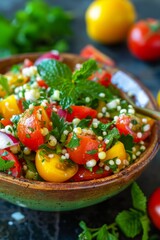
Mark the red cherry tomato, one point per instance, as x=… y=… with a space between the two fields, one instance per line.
x=80 y=112
x=16 y=169
x=29 y=128
x=42 y=83
x=154 y=207
x=91 y=52
x=144 y=39
x=83 y=152
x=123 y=125
x=103 y=77
x=5 y=121
x=85 y=174
x=27 y=63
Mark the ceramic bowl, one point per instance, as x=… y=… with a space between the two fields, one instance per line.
x=69 y=196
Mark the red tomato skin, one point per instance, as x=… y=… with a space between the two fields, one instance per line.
x=80 y=112
x=79 y=154
x=16 y=169
x=122 y=125
x=84 y=174
x=143 y=42
x=42 y=83
x=91 y=52
x=154 y=207
x=31 y=139
x=5 y=121
x=27 y=63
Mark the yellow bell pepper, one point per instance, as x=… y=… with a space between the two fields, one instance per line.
x=118 y=151
x=9 y=107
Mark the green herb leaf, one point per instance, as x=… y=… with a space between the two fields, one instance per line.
x=129 y=223
x=91 y=152
x=145 y=222
x=86 y=233
x=84 y=123
x=5 y=164
x=112 y=136
x=54 y=73
x=59 y=125
x=4 y=84
x=138 y=198
x=74 y=142
x=85 y=71
x=128 y=142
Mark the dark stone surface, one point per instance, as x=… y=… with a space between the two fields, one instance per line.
x=64 y=226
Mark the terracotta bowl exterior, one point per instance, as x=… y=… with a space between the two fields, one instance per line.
x=69 y=196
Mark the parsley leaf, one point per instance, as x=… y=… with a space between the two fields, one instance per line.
x=112 y=136
x=5 y=164
x=74 y=142
x=4 y=84
x=128 y=142
x=59 y=125
x=84 y=123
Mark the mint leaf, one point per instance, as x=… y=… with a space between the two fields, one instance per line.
x=5 y=164
x=4 y=84
x=85 y=235
x=138 y=198
x=68 y=95
x=54 y=73
x=74 y=142
x=145 y=222
x=129 y=223
x=85 y=71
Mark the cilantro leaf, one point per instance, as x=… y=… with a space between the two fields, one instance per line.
x=74 y=142
x=4 y=84
x=85 y=71
x=5 y=164
x=138 y=198
x=129 y=223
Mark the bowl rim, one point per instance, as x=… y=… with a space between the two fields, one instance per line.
x=124 y=175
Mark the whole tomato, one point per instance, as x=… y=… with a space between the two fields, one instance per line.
x=154 y=207
x=144 y=40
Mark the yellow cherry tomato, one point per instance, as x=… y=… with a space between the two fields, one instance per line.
x=9 y=107
x=158 y=98
x=52 y=168
x=108 y=21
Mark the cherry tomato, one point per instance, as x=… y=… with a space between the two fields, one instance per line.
x=42 y=83
x=123 y=125
x=91 y=52
x=103 y=77
x=154 y=207
x=80 y=112
x=85 y=174
x=52 y=169
x=27 y=63
x=144 y=39
x=16 y=169
x=29 y=127
x=87 y=150
x=5 y=121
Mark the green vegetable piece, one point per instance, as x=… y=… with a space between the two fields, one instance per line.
x=138 y=198
x=129 y=223
x=5 y=164
x=4 y=84
x=145 y=222
x=86 y=233
x=74 y=142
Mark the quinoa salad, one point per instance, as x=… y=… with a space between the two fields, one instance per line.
x=58 y=125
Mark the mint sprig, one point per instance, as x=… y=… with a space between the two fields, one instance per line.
x=72 y=86
x=131 y=223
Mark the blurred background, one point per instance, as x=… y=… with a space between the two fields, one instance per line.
x=68 y=26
